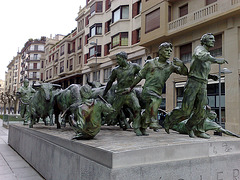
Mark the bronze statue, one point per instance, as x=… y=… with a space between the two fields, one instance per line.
x=124 y=73
x=156 y=72
x=206 y=125
x=86 y=118
x=195 y=91
x=25 y=93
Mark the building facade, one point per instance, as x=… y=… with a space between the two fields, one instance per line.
x=32 y=53
x=183 y=23
x=104 y=28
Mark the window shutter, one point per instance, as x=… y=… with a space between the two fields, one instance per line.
x=134 y=9
x=183 y=10
x=134 y=37
x=152 y=20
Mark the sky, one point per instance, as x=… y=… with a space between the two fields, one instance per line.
x=21 y=20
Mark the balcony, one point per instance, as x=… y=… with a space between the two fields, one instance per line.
x=203 y=15
x=93 y=62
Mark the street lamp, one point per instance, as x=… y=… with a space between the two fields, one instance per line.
x=221 y=71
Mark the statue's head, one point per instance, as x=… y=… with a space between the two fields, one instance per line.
x=86 y=91
x=210 y=114
x=208 y=40
x=121 y=58
x=26 y=82
x=165 y=50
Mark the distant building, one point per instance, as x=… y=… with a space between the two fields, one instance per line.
x=32 y=53
x=104 y=28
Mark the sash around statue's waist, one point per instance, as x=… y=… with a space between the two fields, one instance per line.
x=198 y=79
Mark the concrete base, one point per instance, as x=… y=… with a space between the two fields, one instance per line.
x=120 y=155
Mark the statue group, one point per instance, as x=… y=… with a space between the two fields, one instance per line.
x=88 y=107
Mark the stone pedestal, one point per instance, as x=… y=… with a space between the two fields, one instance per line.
x=120 y=155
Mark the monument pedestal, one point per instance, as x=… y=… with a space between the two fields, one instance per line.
x=120 y=155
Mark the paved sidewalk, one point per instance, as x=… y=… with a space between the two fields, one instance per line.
x=12 y=165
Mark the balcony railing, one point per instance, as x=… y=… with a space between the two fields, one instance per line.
x=177 y=23
x=205 y=11
x=203 y=14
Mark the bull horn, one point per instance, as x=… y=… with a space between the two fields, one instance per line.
x=57 y=85
x=36 y=85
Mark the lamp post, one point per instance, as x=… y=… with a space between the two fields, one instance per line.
x=221 y=71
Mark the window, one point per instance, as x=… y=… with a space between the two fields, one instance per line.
x=34 y=65
x=152 y=20
x=69 y=48
x=96 y=29
x=108 y=4
x=86 y=39
x=62 y=50
x=138 y=61
x=79 y=59
x=210 y=2
x=35 y=47
x=47 y=74
x=217 y=49
x=41 y=76
x=92 y=51
x=107 y=48
x=87 y=20
x=73 y=46
x=35 y=57
x=96 y=76
x=56 y=70
x=169 y=13
x=137 y=8
x=107 y=73
x=61 y=66
x=97 y=7
x=186 y=53
x=120 y=13
x=56 y=60
x=183 y=10
x=121 y=39
x=34 y=74
x=80 y=43
x=107 y=26
x=86 y=57
x=50 y=73
x=136 y=35
x=71 y=65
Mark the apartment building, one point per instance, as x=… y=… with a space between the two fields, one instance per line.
x=182 y=23
x=32 y=53
x=104 y=28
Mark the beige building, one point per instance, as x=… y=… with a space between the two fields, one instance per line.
x=32 y=53
x=104 y=28
x=12 y=79
x=183 y=23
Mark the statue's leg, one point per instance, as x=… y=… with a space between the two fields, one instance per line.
x=199 y=114
x=179 y=114
x=132 y=101
x=227 y=132
x=117 y=105
x=154 y=124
